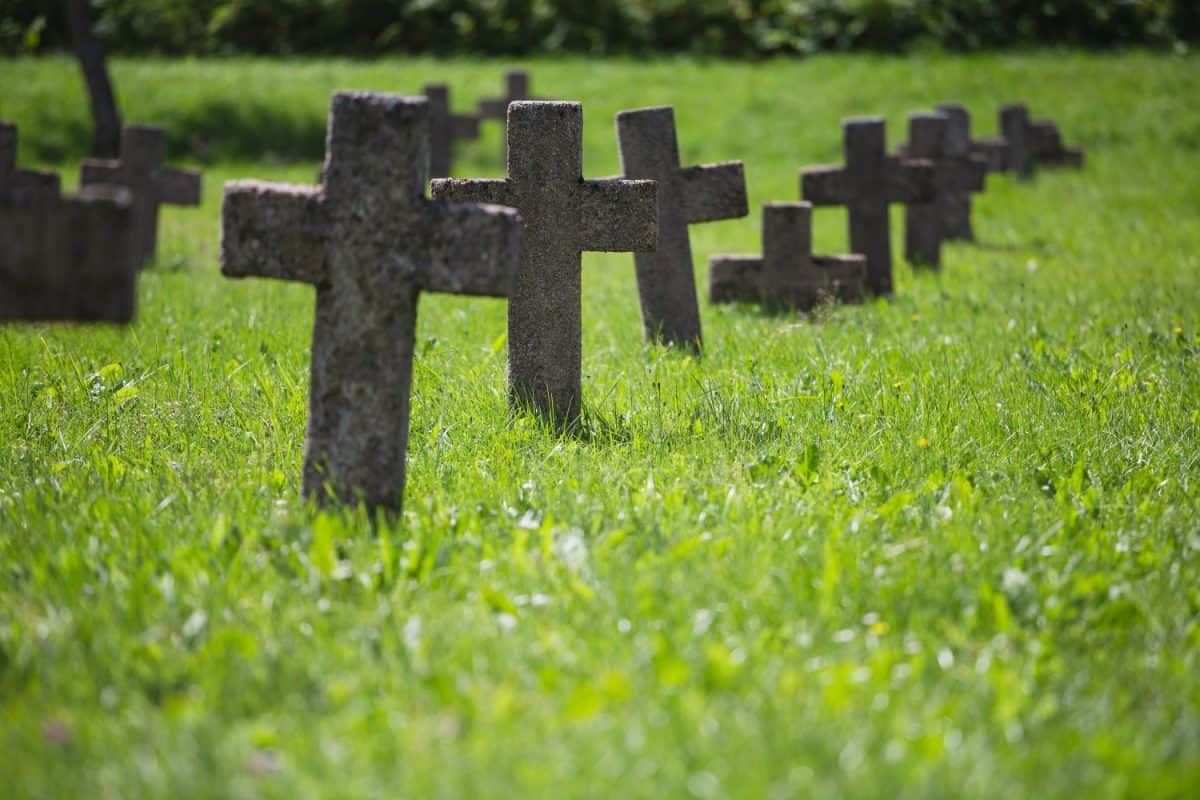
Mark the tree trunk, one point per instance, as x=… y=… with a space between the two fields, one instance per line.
x=106 y=119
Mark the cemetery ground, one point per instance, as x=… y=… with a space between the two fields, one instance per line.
x=943 y=545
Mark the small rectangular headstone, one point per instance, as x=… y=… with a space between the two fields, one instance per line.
x=686 y=195
x=868 y=183
x=562 y=215
x=140 y=169
x=369 y=241
x=68 y=258
x=787 y=276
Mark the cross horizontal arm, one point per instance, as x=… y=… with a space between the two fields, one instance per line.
x=910 y=180
x=969 y=174
x=994 y=151
x=180 y=187
x=714 y=191
x=618 y=216
x=463 y=190
x=273 y=230
x=473 y=249
x=824 y=186
x=464 y=126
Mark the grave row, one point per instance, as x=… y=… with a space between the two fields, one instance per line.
x=370 y=241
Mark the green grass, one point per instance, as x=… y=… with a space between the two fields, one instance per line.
x=942 y=546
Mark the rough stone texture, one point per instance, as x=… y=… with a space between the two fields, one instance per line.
x=21 y=183
x=866 y=185
x=68 y=258
x=370 y=242
x=516 y=87
x=956 y=173
x=1014 y=127
x=445 y=129
x=562 y=215
x=1048 y=150
x=686 y=195
x=786 y=276
x=140 y=170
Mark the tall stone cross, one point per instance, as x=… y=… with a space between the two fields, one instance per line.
x=992 y=149
x=516 y=87
x=445 y=128
x=869 y=182
x=686 y=195
x=21 y=182
x=67 y=258
x=370 y=243
x=140 y=170
x=562 y=215
x=957 y=204
x=956 y=173
x=1014 y=127
x=787 y=276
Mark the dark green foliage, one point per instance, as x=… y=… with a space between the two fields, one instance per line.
x=518 y=27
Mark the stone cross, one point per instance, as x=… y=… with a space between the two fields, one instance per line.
x=1048 y=149
x=956 y=205
x=787 y=276
x=956 y=173
x=67 y=258
x=140 y=170
x=370 y=242
x=562 y=215
x=516 y=87
x=992 y=149
x=686 y=195
x=1014 y=127
x=866 y=185
x=21 y=182
x=446 y=127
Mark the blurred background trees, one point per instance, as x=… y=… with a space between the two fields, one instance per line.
x=741 y=28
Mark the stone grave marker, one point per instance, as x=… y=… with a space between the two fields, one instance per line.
x=1014 y=127
x=1048 y=149
x=956 y=173
x=787 y=276
x=67 y=258
x=140 y=170
x=446 y=128
x=868 y=183
x=370 y=242
x=686 y=195
x=516 y=87
x=992 y=149
x=562 y=215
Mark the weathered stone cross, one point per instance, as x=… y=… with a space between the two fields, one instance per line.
x=21 y=182
x=686 y=195
x=370 y=242
x=516 y=87
x=562 y=215
x=446 y=127
x=140 y=170
x=866 y=185
x=1014 y=127
x=956 y=173
x=787 y=276
x=992 y=149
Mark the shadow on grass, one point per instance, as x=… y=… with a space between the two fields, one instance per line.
x=216 y=130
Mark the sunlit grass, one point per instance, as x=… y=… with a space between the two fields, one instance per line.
x=940 y=546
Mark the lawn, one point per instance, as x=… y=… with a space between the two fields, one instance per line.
x=939 y=546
